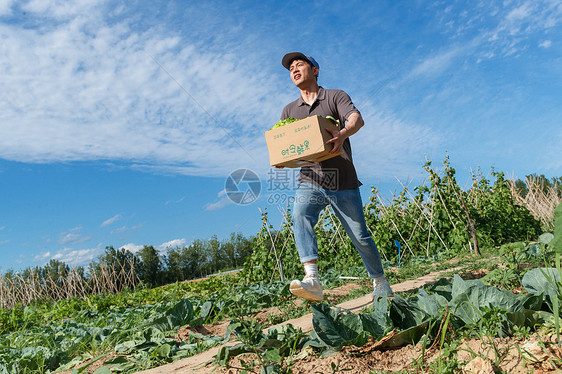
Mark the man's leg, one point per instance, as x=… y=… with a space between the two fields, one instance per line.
x=309 y=202
x=348 y=207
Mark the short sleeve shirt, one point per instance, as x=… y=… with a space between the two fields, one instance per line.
x=336 y=173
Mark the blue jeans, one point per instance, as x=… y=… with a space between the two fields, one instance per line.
x=348 y=207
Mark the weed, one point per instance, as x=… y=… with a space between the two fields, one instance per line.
x=269 y=350
x=503 y=278
x=335 y=367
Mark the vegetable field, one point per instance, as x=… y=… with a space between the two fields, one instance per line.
x=497 y=305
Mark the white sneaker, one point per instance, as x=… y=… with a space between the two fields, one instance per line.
x=309 y=288
x=381 y=287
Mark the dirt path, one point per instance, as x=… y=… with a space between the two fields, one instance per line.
x=196 y=364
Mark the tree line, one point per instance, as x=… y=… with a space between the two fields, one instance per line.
x=149 y=265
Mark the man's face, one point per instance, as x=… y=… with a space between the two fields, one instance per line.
x=302 y=72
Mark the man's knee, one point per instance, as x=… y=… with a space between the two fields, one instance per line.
x=366 y=241
x=301 y=219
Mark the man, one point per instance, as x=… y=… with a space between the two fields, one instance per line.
x=333 y=181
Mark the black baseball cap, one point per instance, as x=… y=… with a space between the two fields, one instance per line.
x=290 y=57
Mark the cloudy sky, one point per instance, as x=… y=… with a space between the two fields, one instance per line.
x=120 y=122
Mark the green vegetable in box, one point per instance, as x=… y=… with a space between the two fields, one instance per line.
x=291 y=120
x=284 y=122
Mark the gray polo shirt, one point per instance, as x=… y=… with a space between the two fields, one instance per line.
x=337 y=173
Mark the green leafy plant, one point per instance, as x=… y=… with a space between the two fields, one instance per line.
x=284 y=122
x=433 y=224
x=503 y=278
x=548 y=281
x=269 y=349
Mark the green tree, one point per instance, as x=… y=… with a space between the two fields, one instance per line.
x=215 y=253
x=55 y=270
x=175 y=265
x=150 y=266
x=542 y=181
x=236 y=249
x=244 y=248
x=196 y=260
x=117 y=258
x=119 y=261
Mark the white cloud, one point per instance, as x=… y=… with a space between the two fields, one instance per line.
x=73 y=236
x=519 y=14
x=60 y=8
x=223 y=201
x=123 y=229
x=387 y=146
x=131 y=247
x=42 y=257
x=71 y=257
x=6 y=7
x=111 y=220
x=119 y=230
x=77 y=257
x=492 y=30
x=545 y=44
x=436 y=64
x=175 y=201
x=515 y=29
x=176 y=243
x=87 y=89
x=505 y=34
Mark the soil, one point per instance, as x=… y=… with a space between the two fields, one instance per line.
x=217 y=328
x=90 y=365
x=474 y=357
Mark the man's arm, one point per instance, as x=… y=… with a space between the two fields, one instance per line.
x=354 y=123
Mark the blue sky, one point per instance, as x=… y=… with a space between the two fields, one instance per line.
x=120 y=122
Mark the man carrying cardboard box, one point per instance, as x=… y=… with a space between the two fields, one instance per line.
x=333 y=181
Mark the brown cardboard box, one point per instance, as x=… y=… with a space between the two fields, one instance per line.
x=300 y=143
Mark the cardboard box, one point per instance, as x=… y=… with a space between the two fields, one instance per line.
x=300 y=143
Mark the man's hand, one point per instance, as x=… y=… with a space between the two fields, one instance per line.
x=338 y=137
x=354 y=123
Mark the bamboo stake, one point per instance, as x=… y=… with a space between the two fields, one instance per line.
x=541 y=204
x=380 y=250
x=274 y=249
x=395 y=226
x=446 y=210
x=2 y=291
x=338 y=225
x=428 y=220
x=471 y=227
